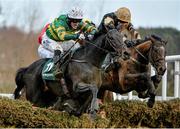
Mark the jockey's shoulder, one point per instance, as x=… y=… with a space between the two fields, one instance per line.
x=88 y=21
x=62 y=17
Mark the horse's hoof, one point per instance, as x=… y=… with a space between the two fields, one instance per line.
x=76 y=113
x=93 y=115
x=150 y=103
x=17 y=95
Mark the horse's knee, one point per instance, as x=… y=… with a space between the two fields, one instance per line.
x=156 y=80
x=143 y=95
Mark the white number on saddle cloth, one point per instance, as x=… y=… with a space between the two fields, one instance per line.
x=49 y=67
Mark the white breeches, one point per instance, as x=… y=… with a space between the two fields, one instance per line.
x=47 y=46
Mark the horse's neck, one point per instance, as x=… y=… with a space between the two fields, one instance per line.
x=92 y=54
x=141 y=52
x=144 y=47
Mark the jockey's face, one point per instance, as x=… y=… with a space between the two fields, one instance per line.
x=124 y=25
x=74 y=23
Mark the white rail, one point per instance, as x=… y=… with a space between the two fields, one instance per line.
x=10 y=96
x=176 y=60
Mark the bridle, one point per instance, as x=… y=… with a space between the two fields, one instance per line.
x=116 y=53
x=153 y=62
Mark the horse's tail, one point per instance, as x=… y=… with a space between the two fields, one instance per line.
x=19 y=82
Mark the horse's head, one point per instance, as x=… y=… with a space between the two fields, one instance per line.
x=114 y=42
x=157 y=54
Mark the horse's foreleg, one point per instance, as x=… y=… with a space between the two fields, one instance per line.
x=101 y=94
x=94 y=103
x=84 y=107
x=143 y=94
x=17 y=91
x=82 y=87
x=156 y=80
x=152 y=93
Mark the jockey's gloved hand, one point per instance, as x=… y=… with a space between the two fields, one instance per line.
x=111 y=26
x=81 y=37
x=90 y=37
x=129 y=43
x=130 y=27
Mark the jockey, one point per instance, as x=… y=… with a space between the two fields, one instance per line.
x=121 y=20
x=62 y=34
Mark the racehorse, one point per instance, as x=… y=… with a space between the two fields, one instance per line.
x=82 y=74
x=134 y=73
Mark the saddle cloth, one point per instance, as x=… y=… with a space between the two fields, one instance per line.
x=48 y=70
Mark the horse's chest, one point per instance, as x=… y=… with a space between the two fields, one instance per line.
x=135 y=68
x=89 y=76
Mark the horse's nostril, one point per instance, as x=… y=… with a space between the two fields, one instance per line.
x=162 y=70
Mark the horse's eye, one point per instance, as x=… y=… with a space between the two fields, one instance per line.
x=156 y=49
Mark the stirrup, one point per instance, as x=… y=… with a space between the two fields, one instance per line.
x=109 y=67
x=58 y=74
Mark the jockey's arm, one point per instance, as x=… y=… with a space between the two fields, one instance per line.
x=133 y=32
x=64 y=35
x=87 y=26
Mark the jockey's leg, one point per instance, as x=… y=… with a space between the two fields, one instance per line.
x=44 y=53
x=110 y=63
x=58 y=73
x=57 y=59
x=107 y=62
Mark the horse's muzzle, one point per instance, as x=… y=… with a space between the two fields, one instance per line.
x=161 y=70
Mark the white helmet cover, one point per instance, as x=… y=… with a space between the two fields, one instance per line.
x=75 y=13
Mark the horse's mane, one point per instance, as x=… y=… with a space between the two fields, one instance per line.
x=143 y=43
x=156 y=37
x=148 y=38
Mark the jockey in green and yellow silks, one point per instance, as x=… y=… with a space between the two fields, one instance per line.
x=63 y=31
x=59 y=29
x=61 y=35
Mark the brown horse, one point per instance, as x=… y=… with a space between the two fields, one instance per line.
x=134 y=73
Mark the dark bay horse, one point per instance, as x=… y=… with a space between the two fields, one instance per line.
x=134 y=73
x=82 y=75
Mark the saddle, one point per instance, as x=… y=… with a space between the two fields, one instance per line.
x=49 y=68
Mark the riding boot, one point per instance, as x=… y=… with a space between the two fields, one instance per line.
x=109 y=67
x=56 y=59
x=112 y=65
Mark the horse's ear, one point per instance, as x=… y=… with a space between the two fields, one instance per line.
x=165 y=42
x=156 y=37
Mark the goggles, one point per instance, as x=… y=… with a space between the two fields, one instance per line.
x=122 y=21
x=75 y=20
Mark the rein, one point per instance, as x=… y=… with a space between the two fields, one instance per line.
x=106 y=51
x=140 y=53
x=136 y=61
